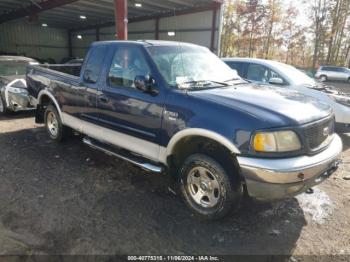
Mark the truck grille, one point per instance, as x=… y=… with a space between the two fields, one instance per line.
x=319 y=133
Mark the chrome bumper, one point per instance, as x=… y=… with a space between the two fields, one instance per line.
x=279 y=178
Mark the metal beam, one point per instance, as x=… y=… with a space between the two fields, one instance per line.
x=33 y=9
x=121 y=19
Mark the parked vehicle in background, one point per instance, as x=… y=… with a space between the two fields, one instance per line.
x=268 y=72
x=77 y=61
x=176 y=107
x=68 y=58
x=13 y=87
x=326 y=73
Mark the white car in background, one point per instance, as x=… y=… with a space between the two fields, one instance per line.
x=13 y=87
x=275 y=73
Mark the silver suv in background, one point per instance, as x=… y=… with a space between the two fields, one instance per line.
x=333 y=73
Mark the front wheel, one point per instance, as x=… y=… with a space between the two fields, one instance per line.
x=207 y=188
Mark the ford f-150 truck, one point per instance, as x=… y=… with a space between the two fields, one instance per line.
x=177 y=108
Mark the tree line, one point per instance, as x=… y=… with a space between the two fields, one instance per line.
x=270 y=29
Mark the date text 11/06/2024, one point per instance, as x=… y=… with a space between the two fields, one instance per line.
x=173 y=258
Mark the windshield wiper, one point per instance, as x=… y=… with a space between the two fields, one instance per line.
x=201 y=83
x=241 y=81
x=232 y=79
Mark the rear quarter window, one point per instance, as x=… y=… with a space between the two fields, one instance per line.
x=94 y=64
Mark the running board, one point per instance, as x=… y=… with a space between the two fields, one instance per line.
x=138 y=161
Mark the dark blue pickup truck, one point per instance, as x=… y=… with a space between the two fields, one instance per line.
x=177 y=108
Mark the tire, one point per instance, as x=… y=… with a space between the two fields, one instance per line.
x=53 y=124
x=323 y=78
x=207 y=189
x=349 y=80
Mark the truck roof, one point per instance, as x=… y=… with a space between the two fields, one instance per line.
x=143 y=42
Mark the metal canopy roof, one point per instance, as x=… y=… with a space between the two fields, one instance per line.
x=66 y=13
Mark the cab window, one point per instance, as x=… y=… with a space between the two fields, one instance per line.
x=128 y=62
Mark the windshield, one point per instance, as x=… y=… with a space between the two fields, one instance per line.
x=12 y=68
x=297 y=76
x=191 y=67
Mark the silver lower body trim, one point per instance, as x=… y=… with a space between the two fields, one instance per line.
x=136 y=145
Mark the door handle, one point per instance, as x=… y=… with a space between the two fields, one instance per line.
x=103 y=99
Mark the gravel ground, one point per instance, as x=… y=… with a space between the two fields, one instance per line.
x=70 y=199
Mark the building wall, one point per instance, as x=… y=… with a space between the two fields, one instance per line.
x=46 y=42
x=33 y=41
x=193 y=28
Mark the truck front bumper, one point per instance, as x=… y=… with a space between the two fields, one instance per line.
x=269 y=179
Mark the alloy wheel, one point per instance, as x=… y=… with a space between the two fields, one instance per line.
x=52 y=124
x=203 y=187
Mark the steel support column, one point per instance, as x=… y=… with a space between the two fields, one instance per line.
x=157 y=29
x=97 y=34
x=70 y=45
x=213 y=30
x=121 y=19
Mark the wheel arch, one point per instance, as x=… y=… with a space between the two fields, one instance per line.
x=45 y=96
x=193 y=140
x=43 y=100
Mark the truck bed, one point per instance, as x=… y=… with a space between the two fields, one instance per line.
x=40 y=76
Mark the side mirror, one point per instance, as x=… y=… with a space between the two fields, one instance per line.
x=144 y=84
x=276 y=81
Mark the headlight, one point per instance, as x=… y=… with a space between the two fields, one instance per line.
x=279 y=141
x=17 y=90
x=344 y=100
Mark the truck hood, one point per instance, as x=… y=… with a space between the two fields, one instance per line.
x=280 y=106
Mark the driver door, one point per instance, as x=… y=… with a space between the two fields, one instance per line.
x=122 y=107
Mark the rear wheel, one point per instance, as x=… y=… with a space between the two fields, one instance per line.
x=53 y=124
x=207 y=188
x=323 y=78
